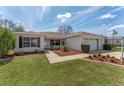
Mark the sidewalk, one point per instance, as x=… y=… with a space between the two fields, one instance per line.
x=54 y=58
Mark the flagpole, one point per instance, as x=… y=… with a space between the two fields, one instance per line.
x=113 y=37
x=113 y=34
x=113 y=40
x=122 y=45
x=121 y=50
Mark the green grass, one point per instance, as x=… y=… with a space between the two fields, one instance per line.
x=36 y=70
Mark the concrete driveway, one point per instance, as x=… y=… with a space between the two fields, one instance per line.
x=115 y=54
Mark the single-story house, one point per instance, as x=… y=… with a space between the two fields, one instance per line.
x=34 y=41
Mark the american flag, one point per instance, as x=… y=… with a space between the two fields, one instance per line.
x=114 y=32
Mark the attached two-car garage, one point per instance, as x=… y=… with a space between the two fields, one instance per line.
x=95 y=41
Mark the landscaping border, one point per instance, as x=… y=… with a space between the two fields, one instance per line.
x=6 y=59
x=27 y=53
x=66 y=53
x=89 y=60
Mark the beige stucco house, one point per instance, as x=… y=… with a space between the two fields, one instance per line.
x=39 y=41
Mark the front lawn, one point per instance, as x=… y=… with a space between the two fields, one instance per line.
x=36 y=70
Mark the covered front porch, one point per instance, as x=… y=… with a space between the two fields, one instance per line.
x=50 y=44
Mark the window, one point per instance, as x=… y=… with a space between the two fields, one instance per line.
x=34 y=42
x=30 y=42
x=117 y=41
x=58 y=42
x=55 y=42
x=26 y=42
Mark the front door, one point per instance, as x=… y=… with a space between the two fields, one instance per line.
x=54 y=44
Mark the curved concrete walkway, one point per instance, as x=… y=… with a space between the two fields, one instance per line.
x=54 y=58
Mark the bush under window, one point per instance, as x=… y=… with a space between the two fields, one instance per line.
x=107 y=47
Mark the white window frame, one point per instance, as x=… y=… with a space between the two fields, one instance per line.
x=23 y=42
x=29 y=42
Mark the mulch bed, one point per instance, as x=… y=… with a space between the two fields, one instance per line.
x=7 y=57
x=105 y=58
x=67 y=53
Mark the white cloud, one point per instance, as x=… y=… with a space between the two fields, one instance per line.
x=53 y=29
x=106 y=16
x=109 y=34
x=117 y=9
x=32 y=15
x=64 y=17
x=116 y=26
x=44 y=11
x=103 y=25
x=88 y=10
x=80 y=14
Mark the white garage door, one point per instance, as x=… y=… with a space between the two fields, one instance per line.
x=92 y=43
x=74 y=43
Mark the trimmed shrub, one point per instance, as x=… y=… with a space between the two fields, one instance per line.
x=7 y=41
x=64 y=48
x=104 y=57
x=85 y=48
x=108 y=55
x=113 y=58
x=107 y=47
x=99 y=54
x=94 y=56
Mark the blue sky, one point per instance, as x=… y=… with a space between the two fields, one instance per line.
x=99 y=20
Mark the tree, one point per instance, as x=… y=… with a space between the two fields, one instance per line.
x=1 y=21
x=20 y=28
x=7 y=41
x=11 y=25
x=65 y=29
x=6 y=23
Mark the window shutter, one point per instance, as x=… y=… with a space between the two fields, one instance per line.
x=20 y=41
x=38 y=41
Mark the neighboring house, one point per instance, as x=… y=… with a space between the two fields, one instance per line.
x=116 y=40
x=34 y=41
